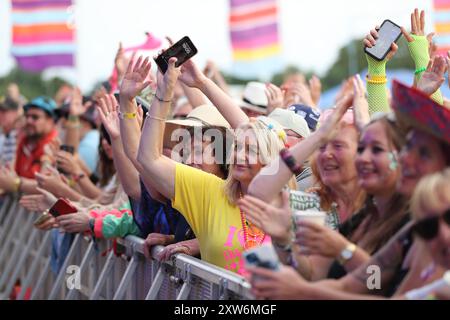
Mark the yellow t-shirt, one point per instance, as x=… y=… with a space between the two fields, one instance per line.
x=200 y=197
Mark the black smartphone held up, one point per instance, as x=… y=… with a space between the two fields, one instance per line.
x=388 y=33
x=183 y=50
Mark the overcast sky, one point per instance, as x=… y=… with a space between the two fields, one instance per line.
x=312 y=31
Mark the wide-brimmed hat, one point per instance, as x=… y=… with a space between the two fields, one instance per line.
x=254 y=97
x=201 y=116
x=289 y=120
x=414 y=109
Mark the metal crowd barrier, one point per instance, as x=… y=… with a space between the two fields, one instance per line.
x=93 y=270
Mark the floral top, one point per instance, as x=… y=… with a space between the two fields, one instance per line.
x=300 y=200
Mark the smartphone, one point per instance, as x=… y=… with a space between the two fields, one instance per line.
x=183 y=50
x=62 y=207
x=42 y=218
x=263 y=256
x=388 y=33
x=69 y=149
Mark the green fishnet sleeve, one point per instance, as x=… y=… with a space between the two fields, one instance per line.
x=420 y=55
x=377 y=93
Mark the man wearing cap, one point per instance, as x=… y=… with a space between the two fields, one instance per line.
x=296 y=129
x=9 y=118
x=39 y=130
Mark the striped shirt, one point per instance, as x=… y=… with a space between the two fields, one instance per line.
x=8 y=147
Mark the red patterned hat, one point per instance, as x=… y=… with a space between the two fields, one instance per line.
x=415 y=109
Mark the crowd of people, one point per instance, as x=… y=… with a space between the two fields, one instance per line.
x=174 y=158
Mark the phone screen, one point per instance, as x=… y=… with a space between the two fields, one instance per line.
x=183 y=50
x=389 y=32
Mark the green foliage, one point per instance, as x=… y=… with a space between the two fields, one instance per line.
x=31 y=84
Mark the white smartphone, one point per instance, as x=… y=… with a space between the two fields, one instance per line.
x=263 y=256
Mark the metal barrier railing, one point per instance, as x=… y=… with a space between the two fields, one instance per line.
x=98 y=271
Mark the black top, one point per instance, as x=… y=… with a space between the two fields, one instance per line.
x=336 y=270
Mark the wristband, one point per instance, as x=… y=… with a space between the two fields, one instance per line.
x=290 y=161
x=376 y=79
x=17 y=183
x=127 y=115
x=78 y=177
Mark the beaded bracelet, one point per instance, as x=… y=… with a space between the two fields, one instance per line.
x=420 y=70
x=290 y=161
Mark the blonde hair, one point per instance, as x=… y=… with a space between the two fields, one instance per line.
x=269 y=146
x=432 y=194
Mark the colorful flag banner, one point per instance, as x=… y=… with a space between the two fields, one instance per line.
x=42 y=35
x=254 y=37
x=442 y=25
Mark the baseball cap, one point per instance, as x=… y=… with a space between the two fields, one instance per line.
x=289 y=120
x=310 y=115
x=44 y=103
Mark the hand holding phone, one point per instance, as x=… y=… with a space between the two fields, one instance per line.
x=388 y=34
x=62 y=207
x=183 y=50
x=263 y=256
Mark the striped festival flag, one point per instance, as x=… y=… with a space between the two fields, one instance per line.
x=42 y=36
x=254 y=37
x=442 y=25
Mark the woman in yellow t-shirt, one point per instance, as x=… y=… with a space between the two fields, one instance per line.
x=207 y=202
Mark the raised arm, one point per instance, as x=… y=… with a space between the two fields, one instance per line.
x=272 y=178
x=157 y=167
x=376 y=77
x=193 y=77
x=128 y=175
x=418 y=45
x=133 y=83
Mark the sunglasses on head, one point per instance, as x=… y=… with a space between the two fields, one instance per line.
x=428 y=228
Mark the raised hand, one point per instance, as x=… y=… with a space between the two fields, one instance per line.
x=108 y=111
x=120 y=61
x=371 y=39
x=433 y=77
x=315 y=87
x=272 y=220
x=417 y=25
x=275 y=97
x=134 y=80
x=447 y=59
x=166 y=83
x=51 y=182
x=330 y=126
x=67 y=162
x=191 y=75
x=360 y=103
x=76 y=103
x=298 y=93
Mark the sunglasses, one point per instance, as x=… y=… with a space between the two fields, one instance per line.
x=428 y=228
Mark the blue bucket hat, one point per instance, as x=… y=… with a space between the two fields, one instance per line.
x=44 y=103
x=310 y=115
